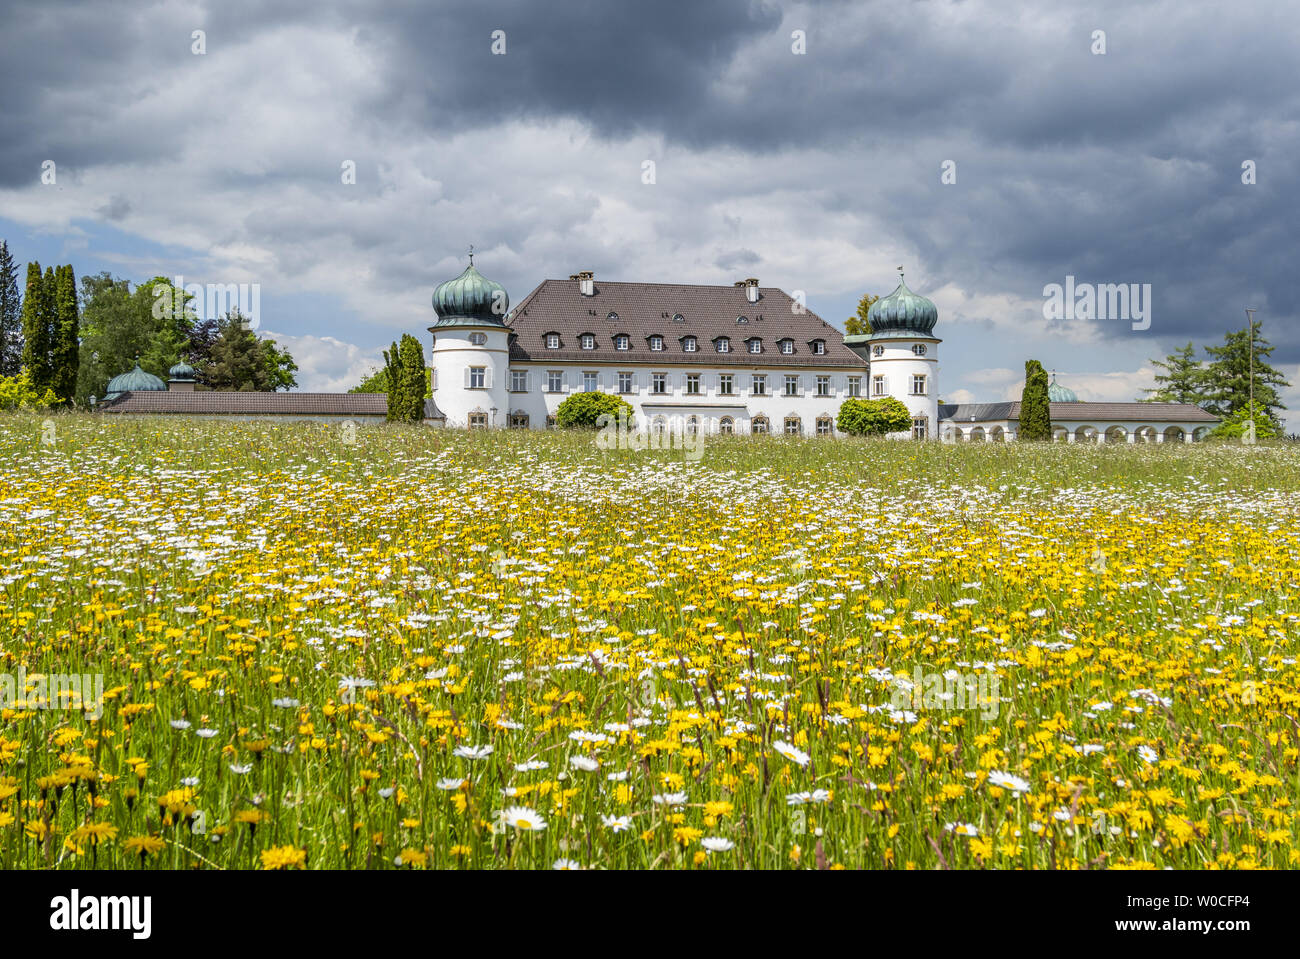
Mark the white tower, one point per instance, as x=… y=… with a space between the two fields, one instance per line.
x=904 y=356
x=471 y=350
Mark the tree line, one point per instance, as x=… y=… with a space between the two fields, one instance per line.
x=60 y=345
x=1224 y=382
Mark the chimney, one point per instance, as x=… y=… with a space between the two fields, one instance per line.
x=751 y=288
x=587 y=283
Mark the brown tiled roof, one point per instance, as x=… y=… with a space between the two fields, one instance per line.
x=270 y=404
x=643 y=309
x=1150 y=412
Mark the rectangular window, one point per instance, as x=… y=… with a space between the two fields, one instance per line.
x=477 y=377
x=518 y=381
x=657 y=343
x=819 y=347
x=918 y=428
x=621 y=343
x=555 y=381
x=823 y=386
x=724 y=384
x=588 y=341
x=791 y=385
x=877 y=386
x=855 y=386
x=756 y=346
x=693 y=384
x=625 y=382
x=787 y=346
x=519 y=421
x=590 y=382
x=918 y=384
x=659 y=383
x=724 y=345
x=478 y=421
x=552 y=341
x=760 y=385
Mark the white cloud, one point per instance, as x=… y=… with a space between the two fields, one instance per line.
x=326 y=364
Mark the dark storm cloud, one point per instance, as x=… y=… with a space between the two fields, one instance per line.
x=1117 y=168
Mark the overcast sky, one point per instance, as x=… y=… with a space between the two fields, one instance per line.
x=819 y=171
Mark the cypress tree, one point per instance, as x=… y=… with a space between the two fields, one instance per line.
x=65 y=352
x=415 y=382
x=396 y=385
x=37 y=308
x=11 y=315
x=1035 y=413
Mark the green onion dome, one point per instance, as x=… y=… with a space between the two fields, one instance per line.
x=182 y=372
x=902 y=313
x=1060 y=394
x=134 y=381
x=471 y=299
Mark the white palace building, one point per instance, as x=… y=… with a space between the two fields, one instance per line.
x=725 y=359
x=742 y=358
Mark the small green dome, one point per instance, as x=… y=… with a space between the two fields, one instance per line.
x=902 y=313
x=134 y=381
x=471 y=299
x=1060 y=394
x=181 y=372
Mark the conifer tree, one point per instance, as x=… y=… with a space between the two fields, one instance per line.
x=1182 y=379
x=11 y=316
x=65 y=349
x=38 y=308
x=1229 y=375
x=415 y=382
x=1035 y=411
x=396 y=384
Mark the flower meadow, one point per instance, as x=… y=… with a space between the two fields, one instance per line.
x=302 y=646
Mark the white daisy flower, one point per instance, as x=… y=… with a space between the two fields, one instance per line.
x=523 y=819
x=792 y=754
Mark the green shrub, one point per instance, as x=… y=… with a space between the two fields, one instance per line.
x=583 y=410
x=860 y=417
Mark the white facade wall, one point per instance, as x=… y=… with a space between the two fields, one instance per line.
x=455 y=358
x=895 y=361
x=710 y=404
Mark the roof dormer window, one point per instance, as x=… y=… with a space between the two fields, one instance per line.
x=819 y=347
x=722 y=344
x=755 y=345
x=622 y=342
x=612 y=316
x=588 y=341
x=552 y=341
x=689 y=344
x=786 y=345
x=657 y=343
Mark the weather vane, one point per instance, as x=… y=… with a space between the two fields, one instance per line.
x=471 y=254
x=900 y=274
